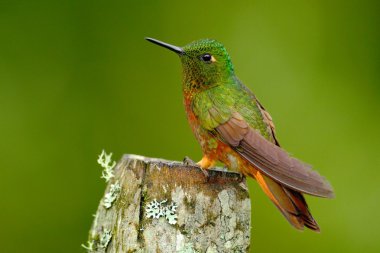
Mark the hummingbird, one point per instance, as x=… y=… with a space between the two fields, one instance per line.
x=233 y=127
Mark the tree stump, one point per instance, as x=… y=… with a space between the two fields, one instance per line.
x=154 y=205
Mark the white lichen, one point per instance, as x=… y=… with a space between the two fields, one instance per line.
x=156 y=209
x=171 y=213
x=93 y=231
x=112 y=195
x=105 y=161
x=90 y=246
x=105 y=238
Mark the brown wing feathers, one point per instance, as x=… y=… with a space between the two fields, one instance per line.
x=234 y=130
x=271 y=159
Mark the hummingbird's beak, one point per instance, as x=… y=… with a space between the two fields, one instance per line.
x=175 y=49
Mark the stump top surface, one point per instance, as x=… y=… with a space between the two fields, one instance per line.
x=216 y=174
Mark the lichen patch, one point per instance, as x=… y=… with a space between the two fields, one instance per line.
x=156 y=209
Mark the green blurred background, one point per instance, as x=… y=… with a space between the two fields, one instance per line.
x=77 y=77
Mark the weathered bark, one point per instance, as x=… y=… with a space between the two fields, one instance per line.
x=213 y=214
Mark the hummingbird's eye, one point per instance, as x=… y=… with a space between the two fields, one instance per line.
x=206 y=57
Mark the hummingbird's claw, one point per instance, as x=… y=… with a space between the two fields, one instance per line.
x=189 y=162
x=205 y=172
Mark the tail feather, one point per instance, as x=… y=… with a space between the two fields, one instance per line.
x=299 y=201
x=291 y=203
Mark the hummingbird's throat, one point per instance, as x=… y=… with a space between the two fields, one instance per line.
x=194 y=86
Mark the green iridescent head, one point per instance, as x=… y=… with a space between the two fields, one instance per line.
x=205 y=62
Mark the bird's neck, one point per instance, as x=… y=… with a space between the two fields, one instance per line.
x=193 y=84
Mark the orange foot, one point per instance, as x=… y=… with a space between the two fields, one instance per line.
x=206 y=162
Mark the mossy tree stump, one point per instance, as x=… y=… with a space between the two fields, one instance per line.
x=199 y=214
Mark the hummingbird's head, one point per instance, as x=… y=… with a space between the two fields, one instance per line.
x=205 y=63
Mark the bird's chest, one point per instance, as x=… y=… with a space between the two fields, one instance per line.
x=207 y=141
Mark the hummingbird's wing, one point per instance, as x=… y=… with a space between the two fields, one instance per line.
x=266 y=116
x=268 y=120
x=270 y=158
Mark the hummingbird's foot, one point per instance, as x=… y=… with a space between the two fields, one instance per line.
x=205 y=172
x=205 y=164
x=187 y=161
